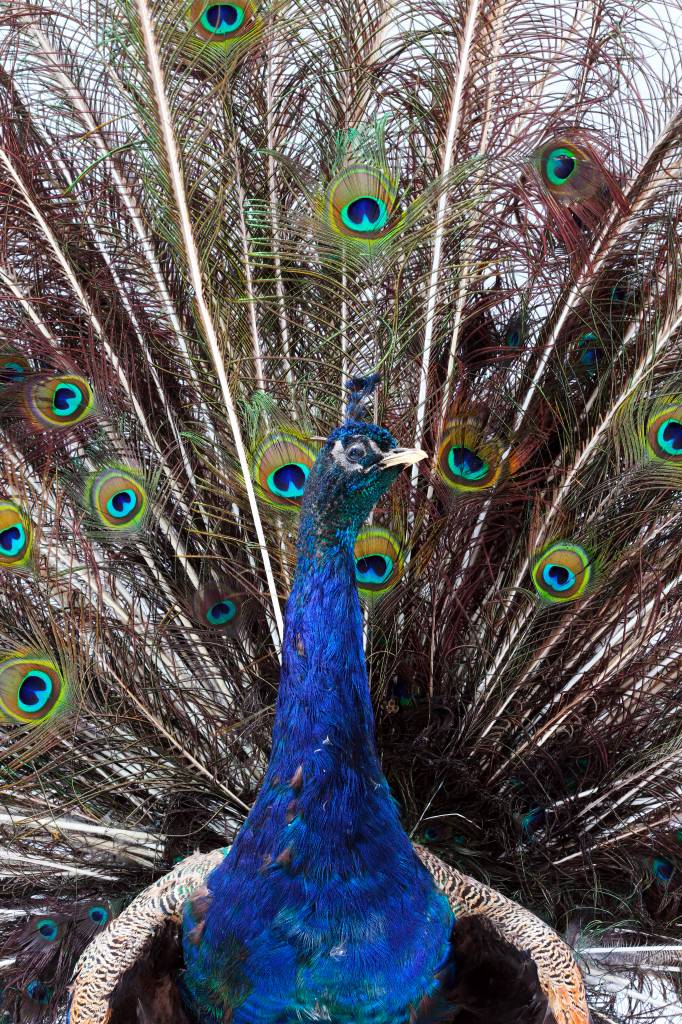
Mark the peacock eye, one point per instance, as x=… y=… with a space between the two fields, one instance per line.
x=664 y=435
x=222 y=19
x=32 y=689
x=356 y=452
x=98 y=915
x=366 y=213
x=563 y=572
x=561 y=165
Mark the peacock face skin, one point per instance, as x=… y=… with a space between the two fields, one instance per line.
x=356 y=466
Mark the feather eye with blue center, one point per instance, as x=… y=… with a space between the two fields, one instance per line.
x=48 y=929
x=360 y=204
x=117 y=498
x=280 y=466
x=223 y=24
x=14 y=368
x=590 y=354
x=38 y=992
x=663 y=870
x=569 y=171
x=221 y=608
x=664 y=435
x=57 y=402
x=469 y=458
x=515 y=333
x=33 y=689
x=91 y=918
x=99 y=915
x=16 y=536
x=562 y=573
x=359 y=207
x=379 y=562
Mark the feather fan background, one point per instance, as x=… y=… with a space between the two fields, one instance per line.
x=172 y=239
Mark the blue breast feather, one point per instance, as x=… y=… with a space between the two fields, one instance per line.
x=321 y=911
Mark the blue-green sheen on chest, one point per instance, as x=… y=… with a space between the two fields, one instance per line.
x=321 y=909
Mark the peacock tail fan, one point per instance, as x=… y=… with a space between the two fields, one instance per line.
x=213 y=217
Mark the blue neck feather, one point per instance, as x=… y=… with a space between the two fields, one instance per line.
x=321 y=899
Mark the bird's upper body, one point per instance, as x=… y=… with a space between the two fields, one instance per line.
x=322 y=910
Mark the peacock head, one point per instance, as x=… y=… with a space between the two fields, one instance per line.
x=356 y=465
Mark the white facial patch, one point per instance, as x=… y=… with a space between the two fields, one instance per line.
x=340 y=456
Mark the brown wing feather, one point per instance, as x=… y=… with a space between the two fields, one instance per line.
x=559 y=976
x=121 y=971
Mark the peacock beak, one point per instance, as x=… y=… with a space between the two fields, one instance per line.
x=402 y=457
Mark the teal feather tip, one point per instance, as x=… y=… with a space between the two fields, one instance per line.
x=58 y=402
x=47 y=928
x=39 y=992
x=15 y=536
x=562 y=573
x=469 y=458
x=118 y=499
x=664 y=435
x=280 y=467
x=569 y=170
x=221 y=607
x=361 y=205
x=379 y=562
x=224 y=24
x=98 y=915
x=33 y=689
x=590 y=352
x=663 y=870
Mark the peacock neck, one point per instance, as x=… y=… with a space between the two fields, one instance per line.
x=324 y=711
x=324 y=802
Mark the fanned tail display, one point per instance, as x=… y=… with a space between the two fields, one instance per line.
x=214 y=216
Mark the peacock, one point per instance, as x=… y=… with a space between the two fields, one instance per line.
x=340 y=510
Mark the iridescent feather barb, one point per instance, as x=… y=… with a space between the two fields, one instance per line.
x=206 y=202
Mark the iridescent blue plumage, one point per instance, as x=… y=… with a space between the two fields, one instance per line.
x=322 y=910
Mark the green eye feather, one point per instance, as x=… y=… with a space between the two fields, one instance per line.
x=590 y=354
x=562 y=573
x=58 y=402
x=379 y=562
x=664 y=435
x=14 y=368
x=280 y=466
x=221 y=608
x=33 y=689
x=117 y=498
x=16 y=536
x=569 y=171
x=47 y=928
x=469 y=459
x=220 y=31
x=359 y=206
